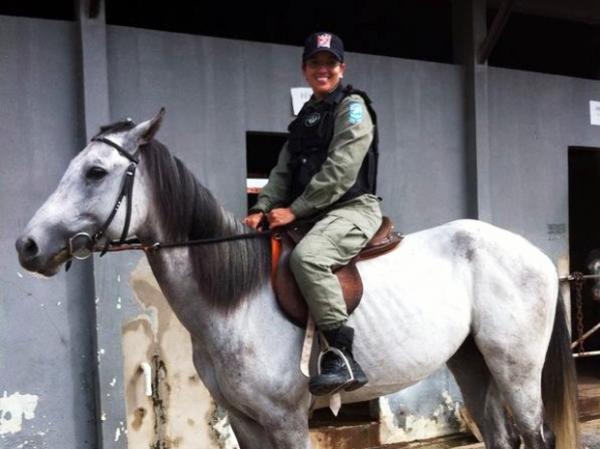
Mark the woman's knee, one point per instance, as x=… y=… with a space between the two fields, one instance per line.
x=305 y=258
x=299 y=259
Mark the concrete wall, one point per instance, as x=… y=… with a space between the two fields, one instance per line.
x=214 y=91
x=534 y=118
x=46 y=326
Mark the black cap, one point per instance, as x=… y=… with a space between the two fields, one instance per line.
x=323 y=41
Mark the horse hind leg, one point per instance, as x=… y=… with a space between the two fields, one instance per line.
x=525 y=401
x=482 y=398
x=517 y=376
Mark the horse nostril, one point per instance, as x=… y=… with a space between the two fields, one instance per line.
x=29 y=248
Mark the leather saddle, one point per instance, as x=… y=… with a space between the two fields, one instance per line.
x=287 y=292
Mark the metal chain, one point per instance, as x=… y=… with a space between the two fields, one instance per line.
x=578 y=279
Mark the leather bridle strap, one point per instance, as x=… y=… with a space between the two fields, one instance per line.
x=132 y=157
x=125 y=193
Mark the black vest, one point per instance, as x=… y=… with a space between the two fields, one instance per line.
x=310 y=135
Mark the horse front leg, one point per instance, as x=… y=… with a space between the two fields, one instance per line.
x=248 y=433
x=289 y=431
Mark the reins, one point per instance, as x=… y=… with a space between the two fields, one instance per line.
x=133 y=245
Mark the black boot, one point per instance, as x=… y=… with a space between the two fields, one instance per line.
x=337 y=369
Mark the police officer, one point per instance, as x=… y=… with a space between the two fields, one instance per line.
x=326 y=170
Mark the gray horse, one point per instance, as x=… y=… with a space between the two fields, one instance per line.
x=467 y=294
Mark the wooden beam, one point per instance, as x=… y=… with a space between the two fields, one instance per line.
x=495 y=31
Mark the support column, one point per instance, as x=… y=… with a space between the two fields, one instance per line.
x=92 y=26
x=470 y=29
x=110 y=403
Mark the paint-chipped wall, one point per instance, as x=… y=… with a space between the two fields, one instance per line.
x=214 y=91
x=426 y=410
x=46 y=326
x=176 y=411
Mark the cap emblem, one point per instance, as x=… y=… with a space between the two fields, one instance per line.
x=324 y=40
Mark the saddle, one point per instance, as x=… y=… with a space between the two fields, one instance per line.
x=288 y=294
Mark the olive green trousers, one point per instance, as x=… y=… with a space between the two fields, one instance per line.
x=330 y=244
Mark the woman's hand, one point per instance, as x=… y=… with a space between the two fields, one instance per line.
x=253 y=220
x=280 y=217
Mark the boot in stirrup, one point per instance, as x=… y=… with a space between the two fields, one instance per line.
x=337 y=369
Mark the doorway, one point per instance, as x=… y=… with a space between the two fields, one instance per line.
x=584 y=245
x=262 y=152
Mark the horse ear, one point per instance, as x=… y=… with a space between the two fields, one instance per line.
x=145 y=131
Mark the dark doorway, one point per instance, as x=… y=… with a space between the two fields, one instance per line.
x=584 y=238
x=262 y=152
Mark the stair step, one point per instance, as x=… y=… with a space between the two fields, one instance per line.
x=351 y=436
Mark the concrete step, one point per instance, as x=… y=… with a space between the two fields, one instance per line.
x=590 y=439
x=448 y=442
x=349 y=436
x=366 y=436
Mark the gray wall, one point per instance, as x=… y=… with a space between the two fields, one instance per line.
x=214 y=91
x=534 y=118
x=46 y=326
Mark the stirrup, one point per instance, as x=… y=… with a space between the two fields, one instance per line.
x=340 y=354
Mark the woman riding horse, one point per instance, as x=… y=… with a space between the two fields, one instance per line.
x=326 y=170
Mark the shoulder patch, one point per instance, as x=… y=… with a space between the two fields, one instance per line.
x=355 y=113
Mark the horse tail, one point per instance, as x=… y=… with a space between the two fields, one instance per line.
x=559 y=383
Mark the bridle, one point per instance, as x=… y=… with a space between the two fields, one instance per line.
x=82 y=245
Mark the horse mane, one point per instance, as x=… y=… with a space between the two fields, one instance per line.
x=226 y=273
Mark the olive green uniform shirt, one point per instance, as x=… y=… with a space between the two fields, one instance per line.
x=347 y=150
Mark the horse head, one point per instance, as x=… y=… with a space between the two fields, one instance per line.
x=86 y=208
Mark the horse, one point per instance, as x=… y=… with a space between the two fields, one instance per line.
x=480 y=299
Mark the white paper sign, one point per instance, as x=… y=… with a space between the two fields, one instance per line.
x=300 y=95
x=595 y=112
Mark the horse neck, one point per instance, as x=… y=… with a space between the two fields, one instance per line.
x=210 y=325
x=202 y=281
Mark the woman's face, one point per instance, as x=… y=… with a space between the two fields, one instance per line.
x=323 y=73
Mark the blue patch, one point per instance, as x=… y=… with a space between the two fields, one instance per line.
x=355 y=113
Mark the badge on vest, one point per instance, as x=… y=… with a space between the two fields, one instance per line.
x=312 y=119
x=355 y=113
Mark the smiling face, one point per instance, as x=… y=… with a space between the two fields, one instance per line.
x=323 y=73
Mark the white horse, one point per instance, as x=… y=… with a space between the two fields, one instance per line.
x=467 y=294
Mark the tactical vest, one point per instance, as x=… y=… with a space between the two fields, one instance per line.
x=310 y=135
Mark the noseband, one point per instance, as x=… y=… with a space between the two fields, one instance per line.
x=82 y=244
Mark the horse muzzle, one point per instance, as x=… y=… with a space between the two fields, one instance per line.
x=36 y=257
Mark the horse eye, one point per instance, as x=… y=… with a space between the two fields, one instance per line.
x=95 y=173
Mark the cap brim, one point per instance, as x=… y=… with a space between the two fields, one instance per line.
x=319 y=50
